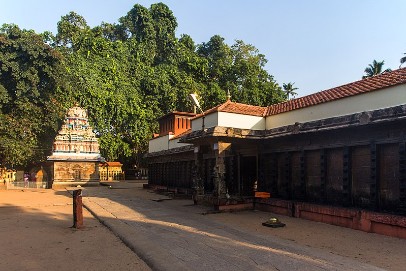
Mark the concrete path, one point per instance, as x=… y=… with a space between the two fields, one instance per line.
x=174 y=235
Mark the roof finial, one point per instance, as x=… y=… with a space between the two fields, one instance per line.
x=228 y=95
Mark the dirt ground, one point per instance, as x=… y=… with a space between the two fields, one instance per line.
x=381 y=251
x=36 y=234
x=378 y=250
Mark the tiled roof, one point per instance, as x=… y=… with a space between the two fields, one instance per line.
x=181 y=134
x=237 y=108
x=113 y=164
x=178 y=113
x=376 y=82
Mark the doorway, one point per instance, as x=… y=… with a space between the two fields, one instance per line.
x=248 y=175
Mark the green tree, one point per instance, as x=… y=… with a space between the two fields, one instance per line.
x=31 y=82
x=374 y=69
x=70 y=29
x=126 y=75
x=111 y=32
x=187 y=60
x=219 y=57
x=165 y=25
x=248 y=80
x=139 y=25
x=240 y=70
x=104 y=78
x=289 y=90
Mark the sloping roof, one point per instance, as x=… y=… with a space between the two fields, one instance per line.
x=177 y=113
x=113 y=164
x=181 y=134
x=237 y=108
x=376 y=82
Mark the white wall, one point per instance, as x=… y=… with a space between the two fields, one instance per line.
x=210 y=120
x=164 y=143
x=241 y=121
x=225 y=119
x=378 y=99
x=159 y=143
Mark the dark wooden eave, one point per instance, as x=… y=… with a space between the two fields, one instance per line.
x=353 y=120
x=170 y=151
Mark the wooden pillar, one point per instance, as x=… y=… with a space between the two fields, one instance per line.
x=402 y=174
x=261 y=168
x=239 y=173
x=77 y=209
x=303 y=175
x=374 y=182
x=288 y=175
x=162 y=174
x=230 y=174
x=273 y=174
x=347 y=179
x=323 y=175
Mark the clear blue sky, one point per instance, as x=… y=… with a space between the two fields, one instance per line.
x=318 y=44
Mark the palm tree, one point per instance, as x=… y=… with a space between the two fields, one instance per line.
x=290 y=90
x=402 y=60
x=374 y=69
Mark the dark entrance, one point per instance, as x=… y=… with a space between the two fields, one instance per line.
x=248 y=175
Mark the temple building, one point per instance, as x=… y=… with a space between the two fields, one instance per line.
x=75 y=157
x=337 y=156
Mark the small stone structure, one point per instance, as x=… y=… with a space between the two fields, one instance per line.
x=76 y=157
x=111 y=171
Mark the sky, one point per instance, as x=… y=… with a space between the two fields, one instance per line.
x=315 y=44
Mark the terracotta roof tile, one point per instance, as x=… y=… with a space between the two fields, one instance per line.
x=177 y=113
x=113 y=164
x=181 y=134
x=237 y=108
x=381 y=81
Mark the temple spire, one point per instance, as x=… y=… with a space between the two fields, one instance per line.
x=228 y=95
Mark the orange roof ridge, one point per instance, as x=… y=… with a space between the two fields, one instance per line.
x=237 y=108
x=188 y=131
x=383 y=80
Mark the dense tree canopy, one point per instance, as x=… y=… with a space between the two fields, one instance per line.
x=126 y=75
x=31 y=83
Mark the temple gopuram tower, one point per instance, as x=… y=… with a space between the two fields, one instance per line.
x=75 y=155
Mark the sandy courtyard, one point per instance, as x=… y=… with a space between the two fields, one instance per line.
x=36 y=234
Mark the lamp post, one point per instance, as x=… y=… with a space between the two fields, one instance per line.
x=195 y=101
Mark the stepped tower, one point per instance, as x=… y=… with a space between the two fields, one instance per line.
x=75 y=155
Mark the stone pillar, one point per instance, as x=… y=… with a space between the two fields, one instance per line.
x=220 y=188
x=197 y=172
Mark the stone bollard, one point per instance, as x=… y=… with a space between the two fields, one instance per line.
x=77 y=209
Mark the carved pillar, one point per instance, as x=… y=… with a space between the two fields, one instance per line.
x=220 y=188
x=347 y=177
x=374 y=182
x=323 y=176
x=402 y=175
x=197 y=172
